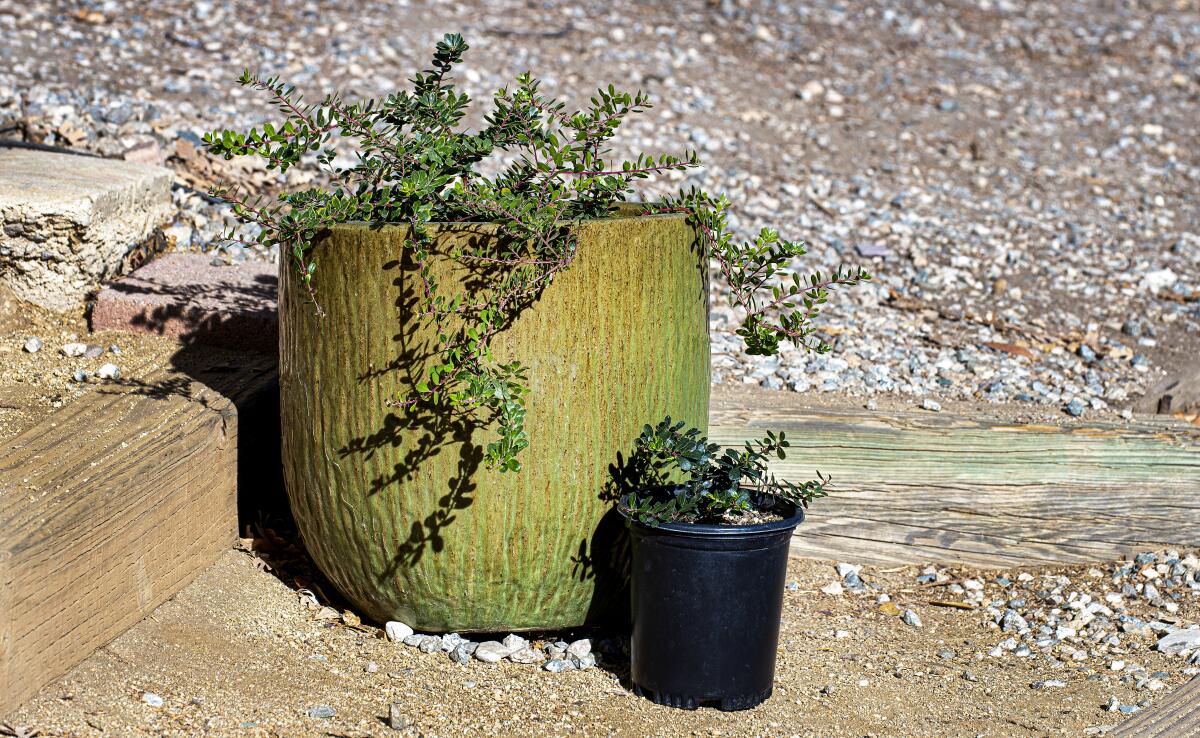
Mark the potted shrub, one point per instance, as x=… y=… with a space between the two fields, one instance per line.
x=473 y=323
x=696 y=637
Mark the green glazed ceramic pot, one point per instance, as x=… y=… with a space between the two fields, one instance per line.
x=396 y=506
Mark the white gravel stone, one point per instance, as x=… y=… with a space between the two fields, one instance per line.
x=1158 y=280
x=527 y=655
x=396 y=630
x=1179 y=641
x=491 y=652
x=581 y=647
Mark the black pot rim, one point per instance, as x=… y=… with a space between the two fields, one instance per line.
x=708 y=530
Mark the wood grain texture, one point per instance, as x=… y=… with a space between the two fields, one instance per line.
x=1177 y=715
x=397 y=507
x=108 y=508
x=919 y=487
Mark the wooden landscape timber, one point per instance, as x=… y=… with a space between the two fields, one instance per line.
x=111 y=505
x=920 y=487
x=1176 y=715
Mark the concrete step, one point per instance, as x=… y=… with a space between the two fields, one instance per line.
x=67 y=222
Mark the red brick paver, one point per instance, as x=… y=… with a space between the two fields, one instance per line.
x=184 y=296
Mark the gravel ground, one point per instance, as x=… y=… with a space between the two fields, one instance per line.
x=1060 y=651
x=1020 y=176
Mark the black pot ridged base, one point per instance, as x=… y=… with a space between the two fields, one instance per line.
x=706 y=606
x=728 y=704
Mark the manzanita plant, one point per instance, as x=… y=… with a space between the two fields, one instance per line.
x=716 y=486
x=415 y=162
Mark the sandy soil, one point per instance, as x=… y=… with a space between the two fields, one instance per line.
x=237 y=653
x=34 y=384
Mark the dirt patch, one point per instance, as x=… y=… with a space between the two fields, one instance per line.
x=34 y=384
x=237 y=653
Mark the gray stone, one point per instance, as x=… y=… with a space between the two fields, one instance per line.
x=109 y=371
x=492 y=651
x=321 y=712
x=558 y=665
x=73 y=349
x=844 y=569
x=32 y=345
x=451 y=641
x=1013 y=622
x=870 y=250
x=69 y=221
x=413 y=639
x=430 y=644
x=514 y=642
x=396 y=718
x=462 y=653
x=152 y=699
x=93 y=351
x=586 y=661
x=1075 y=407
x=931 y=405
x=911 y=618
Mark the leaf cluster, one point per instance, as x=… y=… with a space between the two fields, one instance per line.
x=713 y=486
x=415 y=162
x=779 y=302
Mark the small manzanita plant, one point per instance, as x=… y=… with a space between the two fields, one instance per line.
x=729 y=487
x=414 y=162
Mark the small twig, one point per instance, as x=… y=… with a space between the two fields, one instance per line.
x=950 y=603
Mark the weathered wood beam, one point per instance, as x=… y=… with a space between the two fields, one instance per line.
x=913 y=487
x=110 y=506
x=1177 y=715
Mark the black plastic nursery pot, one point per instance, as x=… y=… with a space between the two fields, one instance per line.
x=706 y=602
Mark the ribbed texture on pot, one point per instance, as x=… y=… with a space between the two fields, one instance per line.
x=397 y=508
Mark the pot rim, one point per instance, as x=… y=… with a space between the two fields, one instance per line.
x=710 y=530
x=625 y=211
